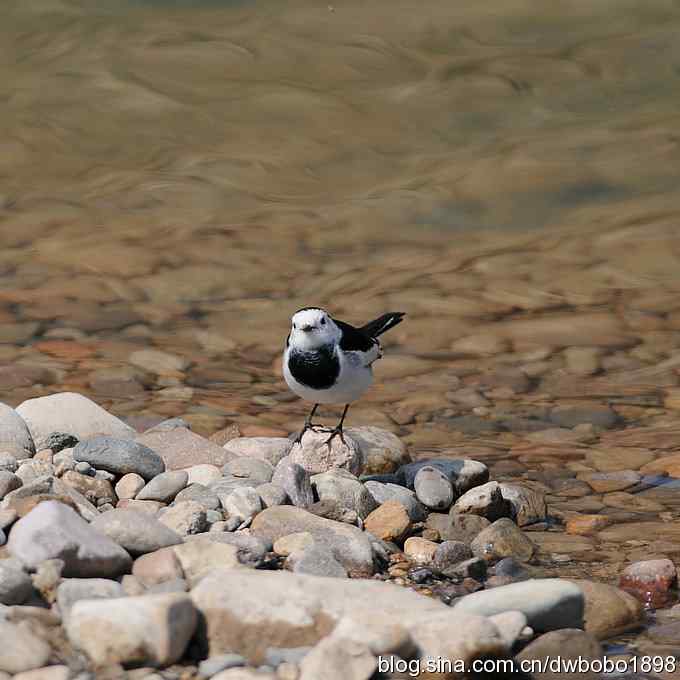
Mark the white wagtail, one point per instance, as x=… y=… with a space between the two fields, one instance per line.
x=327 y=361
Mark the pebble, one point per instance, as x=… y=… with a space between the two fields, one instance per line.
x=450 y=553
x=568 y=644
x=129 y=486
x=485 y=501
x=202 y=555
x=137 y=532
x=295 y=481
x=270 y=449
x=15 y=584
x=382 y=492
x=157 y=567
x=120 y=456
x=474 y=568
x=317 y=560
x=21 y=649
x=501 y=539
x=8 y=482
x=257 y=470
x=251 y=550
x=203 y=474
x=180 y=448
x=349 y=545
x=528 y=505
x=649 y=580
x=8 y=462
x=14 y=433
x=71 y=413
x=346 y=490
x=463 y=473
x=456 y=526
x=381 y=449
x=433 y=489
x=243 y=503
x=201 y=495
x=316 y=457
x=389 y=522
x=97 y=491
x=420 y=550
x=585 y=525
x=272 y=494
x=71 y=590
x=548 y=604
x=150 y=629
x=184 y=518
x=53 y=530
x=31 y=470
x=164 y=487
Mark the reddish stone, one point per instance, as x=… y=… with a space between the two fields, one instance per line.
x=650 y=581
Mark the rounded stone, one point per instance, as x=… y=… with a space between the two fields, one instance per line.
x=433 y=489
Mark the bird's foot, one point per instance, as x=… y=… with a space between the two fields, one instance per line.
x=335 y=432
x=307 y=426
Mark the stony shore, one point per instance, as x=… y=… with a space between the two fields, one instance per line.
x=166 y=554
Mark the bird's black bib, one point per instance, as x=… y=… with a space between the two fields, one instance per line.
x=318 y=369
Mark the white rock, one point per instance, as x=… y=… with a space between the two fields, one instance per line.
x=203 y=474
x=71 y=413
x=15 y=437
x=149 y=629
x=315 y=456
x=21 y=650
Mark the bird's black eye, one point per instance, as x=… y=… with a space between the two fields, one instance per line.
x=323 y=321
x=295 y=326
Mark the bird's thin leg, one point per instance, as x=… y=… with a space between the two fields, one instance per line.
x=337 y=430
x=308 y=425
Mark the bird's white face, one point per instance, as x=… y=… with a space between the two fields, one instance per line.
x=313 y=328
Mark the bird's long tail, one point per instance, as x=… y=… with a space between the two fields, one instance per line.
x=383 y=323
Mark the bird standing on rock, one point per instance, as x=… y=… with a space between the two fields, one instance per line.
x=327 y=361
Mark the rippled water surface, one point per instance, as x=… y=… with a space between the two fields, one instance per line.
x=181 y=176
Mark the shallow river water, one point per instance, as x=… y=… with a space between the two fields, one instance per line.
x=183 y=176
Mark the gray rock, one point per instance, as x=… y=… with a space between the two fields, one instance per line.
x=381 y=450
x=317 y=560
x=203 y=474
x=503 y=539
x=270 y=449
x=30 y=470
x=383 y=492
x=71 y=590
x=85 y=469
x=568 y=645
x=349 y=545
x=272 y=494
x=463 y=473
x=345 y=489
x=528 y=505
x=243 y=503
x=54 y=531
x=120 y=456
x=70 y=412
x=21 y=649
x=146 y=630
x=433 y=489
x=214 y=664
x=474 y=568
x=15 y=584
x=199 y=494
x=257 y=470
x=330 y=509
x=137 y=532
x=548 y=604
x=8 y=462
x=295 y=481
x=450 y=553
x=187 y=517
x=169 y=424
x=164 y=487
x=8 y=482
x=315 y=456
x=14 y=433
x=486 y=501
x=456 y=526
x=251 y=549
x=214 y=516
x=181 y=448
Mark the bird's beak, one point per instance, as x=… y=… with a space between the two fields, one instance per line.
x=306 y=328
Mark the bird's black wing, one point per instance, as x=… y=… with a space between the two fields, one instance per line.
x=383 y=323
x=353 y=340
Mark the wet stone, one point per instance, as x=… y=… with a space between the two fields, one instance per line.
x=502 y=539
x=450 y=553
x=602 y=417
x=650 y=581
x=528 y=505
x=605 y=482
x=433 y=489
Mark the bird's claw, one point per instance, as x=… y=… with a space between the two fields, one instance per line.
x=308 y=426
x=335 y=432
